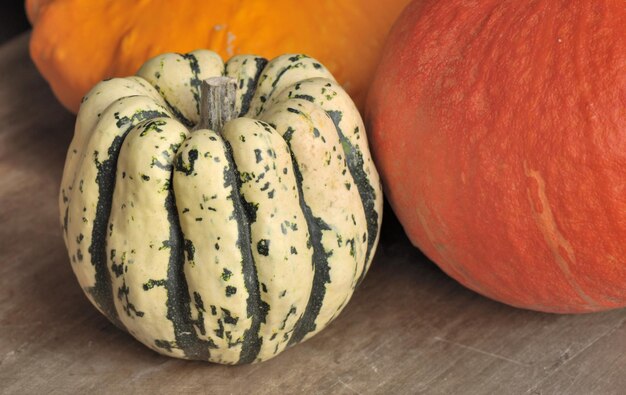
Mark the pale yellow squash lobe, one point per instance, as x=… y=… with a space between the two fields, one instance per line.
x=279 y=242
x=282 y=72
x=203 y=183
x=140 y=240
x=95 y=104
x=335 y=101
x=329 y=191
x=83 y=196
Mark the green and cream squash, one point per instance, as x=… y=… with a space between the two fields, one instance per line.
x=220 y=212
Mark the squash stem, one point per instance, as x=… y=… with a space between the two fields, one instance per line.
x=217 y=103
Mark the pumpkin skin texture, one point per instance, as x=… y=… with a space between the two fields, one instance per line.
x=499 y=130
x=123 y=35
x=229 y=245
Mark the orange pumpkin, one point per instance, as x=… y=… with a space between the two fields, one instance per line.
x=76 y=43
x=499 y=129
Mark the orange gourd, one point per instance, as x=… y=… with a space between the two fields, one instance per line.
x=499 y=129
x=76 y=43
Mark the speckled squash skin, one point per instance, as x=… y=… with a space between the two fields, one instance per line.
x=499 y=129
x=347 y=36
x=226 y=246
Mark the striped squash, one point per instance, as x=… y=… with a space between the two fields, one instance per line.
x=225 y=244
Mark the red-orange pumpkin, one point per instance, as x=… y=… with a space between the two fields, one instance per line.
x=499 y=128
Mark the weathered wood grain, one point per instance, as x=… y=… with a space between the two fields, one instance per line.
x=409 y=328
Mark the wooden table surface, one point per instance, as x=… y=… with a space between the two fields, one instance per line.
x=408 y=329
